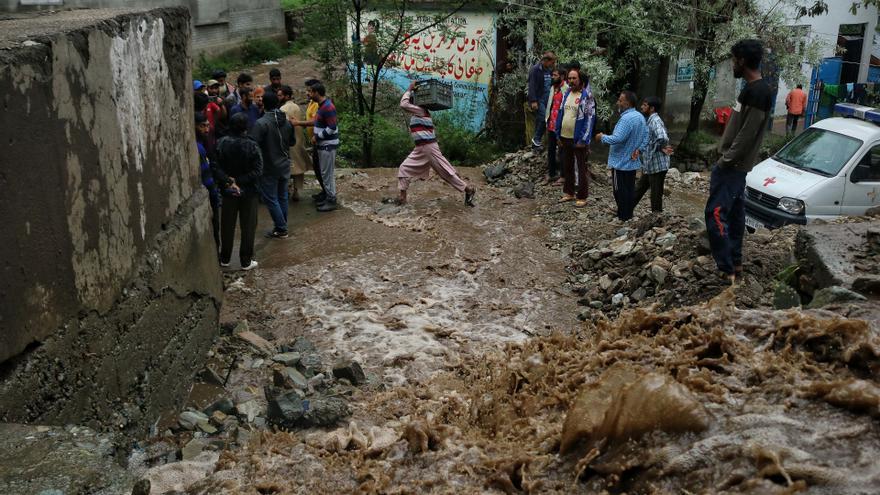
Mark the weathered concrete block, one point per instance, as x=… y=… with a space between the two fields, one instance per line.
x=111 y=291
x=839 y=255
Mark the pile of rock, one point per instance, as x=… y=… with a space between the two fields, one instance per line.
x=665 y=259
x=298 y=391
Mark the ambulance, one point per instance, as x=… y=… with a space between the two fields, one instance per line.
x=830 y=170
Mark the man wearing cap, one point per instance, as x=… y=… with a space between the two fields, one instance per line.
x=274 y=82
x=199 y=87
x=216 y=110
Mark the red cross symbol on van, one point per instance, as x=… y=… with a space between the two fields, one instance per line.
x=769 y=180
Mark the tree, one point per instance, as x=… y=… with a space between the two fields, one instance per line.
x=378 y=31
x=630 y=38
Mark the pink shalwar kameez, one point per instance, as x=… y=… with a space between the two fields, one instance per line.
x=426 y=155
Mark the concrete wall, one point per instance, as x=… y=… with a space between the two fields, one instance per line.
x=110 y=287
x=217 y=25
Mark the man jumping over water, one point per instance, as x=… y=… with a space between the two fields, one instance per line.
x=426 y=155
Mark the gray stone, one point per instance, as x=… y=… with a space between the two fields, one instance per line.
x=257 y=343
x=596 y=304
x=142 y=487
x=667 y=240
x=300 y=345
x=617 y=299
x=696 y=224
x=249 y=410
x=207 y=427
x=310 y=364
x=224 y=405
x=286 y=410
x=832 y=295
x=639 y=294
x=193 y=448
x=658 y=273
x=785 y=297
x=295 y=378
x=325 y=412
x=240 y=327
x=605 y=282
x=287 y=358
x=351 y=371
x=190 y=419
x=525 y=190
x=673 y=175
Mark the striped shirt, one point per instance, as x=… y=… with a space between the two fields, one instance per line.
x=326 y=132
x=654 y=160
x=421 y=127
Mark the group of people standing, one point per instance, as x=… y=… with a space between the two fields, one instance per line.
x=564 y=109
x=562 y=103
x=253 y=143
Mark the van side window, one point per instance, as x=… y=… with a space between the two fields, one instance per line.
x=868 y=169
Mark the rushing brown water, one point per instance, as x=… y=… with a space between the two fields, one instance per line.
x=483 y=381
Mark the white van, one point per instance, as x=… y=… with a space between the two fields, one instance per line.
x=832 y=169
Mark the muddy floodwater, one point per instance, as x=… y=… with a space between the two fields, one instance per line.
x=481 y=378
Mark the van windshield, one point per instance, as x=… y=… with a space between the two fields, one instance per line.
x=819 y=151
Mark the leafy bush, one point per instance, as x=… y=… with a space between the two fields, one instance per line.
x=257 y=50
x=459 y=144
x=391 y=141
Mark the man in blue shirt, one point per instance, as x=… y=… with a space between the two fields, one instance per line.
x=246 y=106
x=539 y=88
x=629 y=140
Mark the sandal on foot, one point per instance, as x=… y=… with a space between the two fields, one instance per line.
x=469 y=194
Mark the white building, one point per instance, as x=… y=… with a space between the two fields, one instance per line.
x=839 y=27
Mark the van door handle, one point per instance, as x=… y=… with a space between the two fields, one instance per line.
x=837 y=202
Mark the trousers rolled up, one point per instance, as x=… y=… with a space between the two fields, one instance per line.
x=421 y=160
x=242 y=209
x=726 y=217
x=327 y=162
x=654 y=182
x=574 y=169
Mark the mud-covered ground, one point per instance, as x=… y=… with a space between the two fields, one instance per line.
x=499 y=360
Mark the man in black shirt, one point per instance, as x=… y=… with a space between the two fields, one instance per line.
x=725 y=209
x=275 y=135
x=238 y=169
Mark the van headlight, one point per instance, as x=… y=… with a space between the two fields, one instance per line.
x=791 y=205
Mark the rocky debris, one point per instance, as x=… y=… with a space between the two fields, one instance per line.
x=286 y=410
x=193 y=448
x=834 y=295
x=224 y=405
x=289 y=378
x=287 y=358
x=526 y=190
x=289 y=410
x=325 y=411
x=310 y=365
x=785 y=297
x=190 y=420
x=142 y=487
x=654 y=260
x=249 y=410
x=256 y=343
x=351 y=371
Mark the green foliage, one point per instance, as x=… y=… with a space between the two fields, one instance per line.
x=296 y=4
x=258 y=50
x=786 y=276
x=460 y=145
x=391 y=141
x=252 y=52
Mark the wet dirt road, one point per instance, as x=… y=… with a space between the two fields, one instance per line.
x=481 y=379
x=407 y=290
